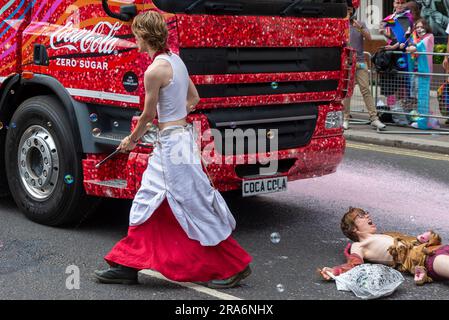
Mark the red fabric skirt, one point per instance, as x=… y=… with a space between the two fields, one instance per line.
x=160 y=244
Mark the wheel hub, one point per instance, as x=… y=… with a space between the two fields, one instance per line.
x=38 y=162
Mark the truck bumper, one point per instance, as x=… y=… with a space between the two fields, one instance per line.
x=320 y=157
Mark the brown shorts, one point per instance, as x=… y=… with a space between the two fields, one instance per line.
x=444 y=250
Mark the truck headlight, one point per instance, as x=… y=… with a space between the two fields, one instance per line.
x=334 y=120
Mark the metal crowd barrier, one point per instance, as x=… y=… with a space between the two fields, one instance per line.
x=405 y=97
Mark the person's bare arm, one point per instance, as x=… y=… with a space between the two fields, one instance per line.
x=354 y=258
x=193 y=98
x=357 y=249
x=392 y=47
x=363 y=30
x=153 y=82
x=446 y=58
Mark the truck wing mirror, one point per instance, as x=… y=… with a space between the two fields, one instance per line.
x=127 y=12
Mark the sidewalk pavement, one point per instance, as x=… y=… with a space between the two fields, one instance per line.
x=412 y=139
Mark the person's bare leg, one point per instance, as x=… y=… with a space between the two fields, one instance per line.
x=441 y=266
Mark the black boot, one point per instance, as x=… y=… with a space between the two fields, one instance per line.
x=117 y=275
x=230 y=282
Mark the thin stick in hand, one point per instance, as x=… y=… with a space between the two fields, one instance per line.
x=107 y=158
x=114 y=153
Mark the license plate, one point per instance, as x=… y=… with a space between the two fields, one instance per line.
x=261 y=186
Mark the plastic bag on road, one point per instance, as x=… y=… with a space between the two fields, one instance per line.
x=369 y=281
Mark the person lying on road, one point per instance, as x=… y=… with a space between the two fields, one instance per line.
x=423 y=256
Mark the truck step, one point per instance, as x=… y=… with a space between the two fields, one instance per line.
x=116 y=183
x=115 y=188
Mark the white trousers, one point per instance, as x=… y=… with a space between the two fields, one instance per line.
x=174 y=172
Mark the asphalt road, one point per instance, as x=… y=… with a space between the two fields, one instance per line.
x=402 y=190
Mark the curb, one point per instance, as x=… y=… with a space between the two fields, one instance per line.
x=394 y=141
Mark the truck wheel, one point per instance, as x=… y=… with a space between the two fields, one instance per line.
x=44 y=171
x=4 y=189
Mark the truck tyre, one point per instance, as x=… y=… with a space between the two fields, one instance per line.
x=44 y=170
x=4 y=189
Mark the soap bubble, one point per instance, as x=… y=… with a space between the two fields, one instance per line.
x=96 y=132
x=280 y=287
x=116 y=124
x=93 y=117
x=275 y=237
x=274 y=85
x=68 y=179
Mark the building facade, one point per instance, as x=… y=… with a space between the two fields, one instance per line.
x=436 y=12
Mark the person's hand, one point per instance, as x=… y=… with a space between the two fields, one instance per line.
x=402 y=46
x=358 y=25
x=191 y=108
x=411 y=49
x=408 y=32
x=126 y=145
x=446 y=63
x=323 y=273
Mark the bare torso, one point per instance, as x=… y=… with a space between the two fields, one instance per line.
x=375 y=249
x=163 y=125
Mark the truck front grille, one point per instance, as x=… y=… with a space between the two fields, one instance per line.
x=251 y=89
x=211 y=61
x=295 y=124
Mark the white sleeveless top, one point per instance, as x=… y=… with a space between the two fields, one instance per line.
x=173 y=97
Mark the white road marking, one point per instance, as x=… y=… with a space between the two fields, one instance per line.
x=193 y=286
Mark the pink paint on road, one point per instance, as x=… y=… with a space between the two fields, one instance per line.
x=383 y=190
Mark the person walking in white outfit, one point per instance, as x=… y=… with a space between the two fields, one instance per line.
x=180 y=225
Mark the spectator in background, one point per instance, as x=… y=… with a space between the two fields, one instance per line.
x=359 y=32
x=423 y=41
x=397 y=28
x=436 y=14
x=396 y=25
x=446 y=58
x=414 y=9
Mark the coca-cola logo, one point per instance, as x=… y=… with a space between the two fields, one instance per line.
x=100 y=39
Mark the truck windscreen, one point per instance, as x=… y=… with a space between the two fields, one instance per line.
x=288 y=8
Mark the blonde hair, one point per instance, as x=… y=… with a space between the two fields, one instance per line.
x=151 y=27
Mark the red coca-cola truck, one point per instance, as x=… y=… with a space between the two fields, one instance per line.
x=71 y=88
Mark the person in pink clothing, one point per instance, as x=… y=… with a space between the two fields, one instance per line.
x=397 y=28
x=422 y=64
